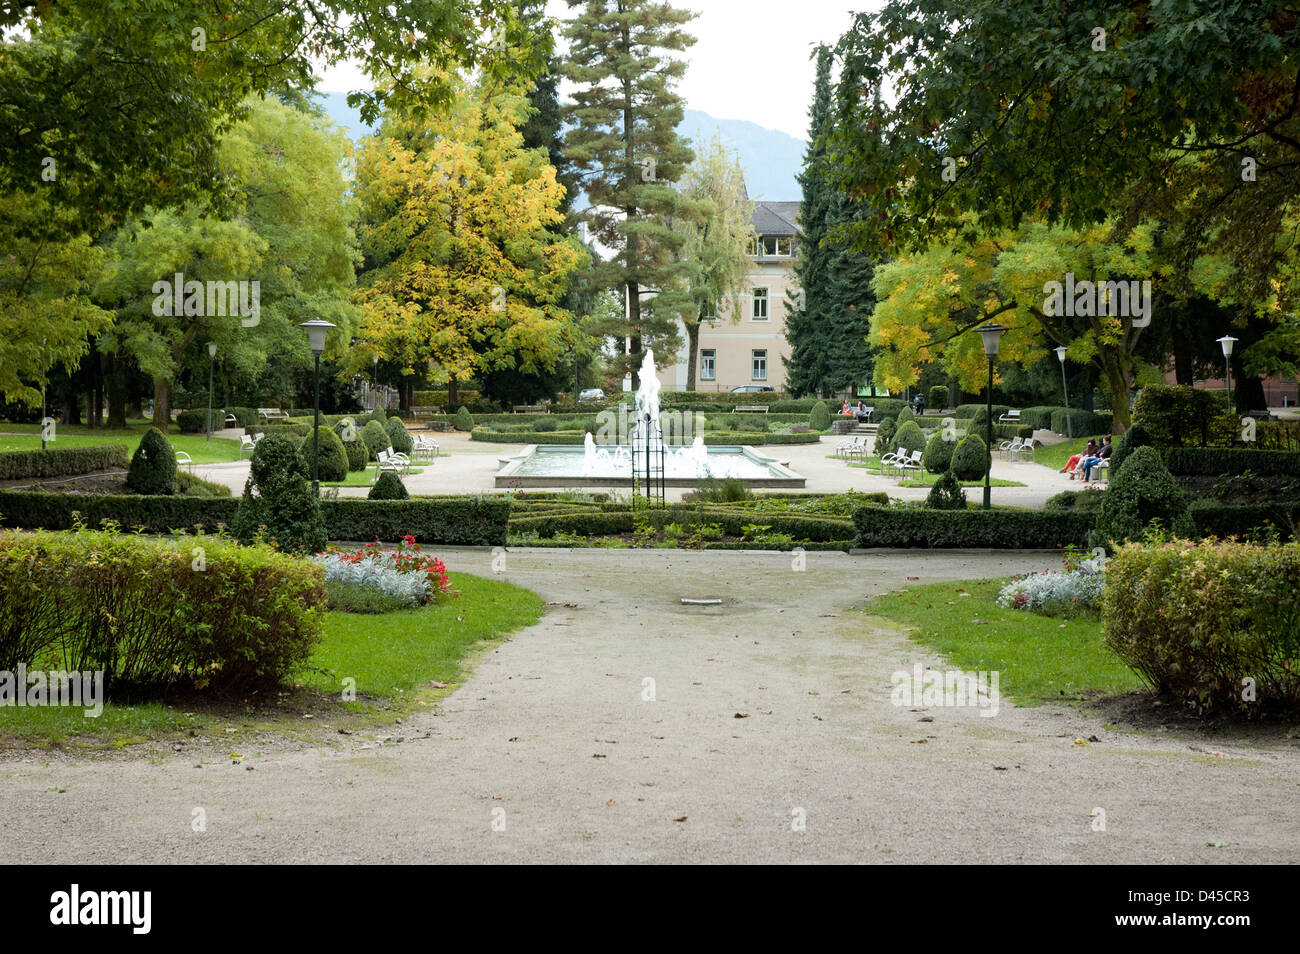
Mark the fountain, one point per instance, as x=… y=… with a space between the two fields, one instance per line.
x=656 y=464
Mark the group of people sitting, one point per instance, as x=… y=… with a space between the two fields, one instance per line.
x=1089 y=460
x=860 y=411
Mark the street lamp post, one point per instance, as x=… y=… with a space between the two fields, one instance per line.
x=212 y=360
x=374 y=376
x=1065 y=390
x=43 y=414
x=316 y=332
x=1226 y=343
x=992 y=335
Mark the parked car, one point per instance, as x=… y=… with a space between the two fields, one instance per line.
x=750 y=389
x=592 y=394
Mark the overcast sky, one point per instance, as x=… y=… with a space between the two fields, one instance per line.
x=751 y=59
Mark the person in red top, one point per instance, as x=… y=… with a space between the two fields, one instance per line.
x=1089 y=451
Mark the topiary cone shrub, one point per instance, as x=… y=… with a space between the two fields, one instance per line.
x=278 y=504
x=1142 y=490
x=378 y=414
x=389 y=486
x=938 y=454
x=970 y=458
x=333 y=456
x=885 y=436
x=905 y=415
x=909 y=437
x=938 y=397
x=464 y=420
x=153 y=465
x=819 y=418
x=1135 y=437
x=376 y=438
x=358 y=453
x=398 y=435
x=946 y=494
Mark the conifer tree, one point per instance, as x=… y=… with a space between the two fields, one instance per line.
x=625 y=146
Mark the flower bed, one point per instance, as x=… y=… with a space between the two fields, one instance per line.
x=1075 y=591
x=400 y=578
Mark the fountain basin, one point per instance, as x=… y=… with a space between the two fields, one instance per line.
x=555 y=465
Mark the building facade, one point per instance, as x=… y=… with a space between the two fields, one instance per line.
x=750 y=348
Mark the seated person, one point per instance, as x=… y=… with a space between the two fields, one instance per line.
x=1102 y=454
x=846 y=410
x=1090 y=451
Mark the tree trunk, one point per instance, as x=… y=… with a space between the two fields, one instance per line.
x=1119 y=377
x=115 y=377
x=162 y=406
x=451 y=397
x=692 y=348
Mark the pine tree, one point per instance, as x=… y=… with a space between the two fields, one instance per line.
x=850 y=303
x=808 y=328
x=625 y=146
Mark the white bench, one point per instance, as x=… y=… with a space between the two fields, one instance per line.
x=1011 y=417
x=394 y=461
x=750 y=409
x=249 y=444
x=532 y=409
x=271 y=414
x=183 y=460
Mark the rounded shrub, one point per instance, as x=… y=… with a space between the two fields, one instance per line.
x=938 y=454
x=376 y=438
x=909 y=437
x=153 y=465
x=1135 y=437
x=1142 y=491
x=946 y=494
x=970 y=458
x=398 y=435
x=358 y=453
x=464 y=421
x=333 y=465
x=389 y=486
x=819 y=418
x=378 y=414
x=938 y=397
x=546 y=425
x=278 y=504
x=906 y=414
x=885 y=435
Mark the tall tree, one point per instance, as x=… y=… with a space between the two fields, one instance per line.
x=808 y=328
x=463 y=274
x=850 y=301
x=719 y=231
x=545 y=124
x=625 y=146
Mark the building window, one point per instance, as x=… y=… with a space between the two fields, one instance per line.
x=760 y=365
x=760 y=305
x=708 y=365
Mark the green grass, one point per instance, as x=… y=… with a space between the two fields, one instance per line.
x=1040 y=658
x=396 y=652
x=28 y=437
x=365 y=478
x=391 y=656
x=924 y=479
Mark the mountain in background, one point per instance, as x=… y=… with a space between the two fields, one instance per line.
x=771 y=159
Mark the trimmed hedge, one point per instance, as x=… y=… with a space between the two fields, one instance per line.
x=153 y=465
x=970 y=458
x=464 y=421
x=61 y=462
x=1252 y=521
x=196 y=422
x=279 y=428
x=614 y=519
x=1082 y=423
x=1039 y=417
x=1196 y=622
x=375 y=436
x=571 y=438
x=1182 y=416
x=398 y=435
x=908 y=527
x=333 y=465
x=250 y=617
x=938 y=454
x=1221 y=461
x=474 y=521
x=938 y=397
x=1143 y=490
x=389 y=486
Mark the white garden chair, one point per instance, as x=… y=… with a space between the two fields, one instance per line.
x=183 y=460
x=423 y=447
x=904 y=464
x=394 y=461
x=249 y=444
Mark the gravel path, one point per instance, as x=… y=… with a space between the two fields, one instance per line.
x=551 y=740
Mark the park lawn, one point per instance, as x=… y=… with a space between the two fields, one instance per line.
x=28 y=437
x=364 y=478
x=1041 y=658
x=394 y=653
x=926 y=479
x=392 y=657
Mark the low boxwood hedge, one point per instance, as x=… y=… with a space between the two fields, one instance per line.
x=1252 y=521
x=468 y=521
x=1222 y=461
x=279 y=427
x=1082 y=423
x=908 y=527
x=61 y=462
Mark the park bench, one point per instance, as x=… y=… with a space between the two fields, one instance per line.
x=1011 y=417
x=394 y=461
x=532 y=409
x=247 y=443
x=269 y=414
x=750 y=409
x=425 y=411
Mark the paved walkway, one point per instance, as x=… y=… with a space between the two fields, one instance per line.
x=771 y=713
x=472 y=467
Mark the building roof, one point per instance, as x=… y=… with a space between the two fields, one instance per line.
x=776 y=218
